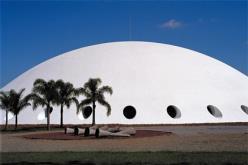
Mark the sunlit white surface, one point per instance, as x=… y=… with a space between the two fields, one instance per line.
x=41 y=116
x=80 y=116
x=148 y=76
x=10 y=116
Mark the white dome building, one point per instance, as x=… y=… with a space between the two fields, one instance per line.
x=163 y=84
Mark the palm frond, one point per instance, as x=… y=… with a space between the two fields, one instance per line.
x=46 y=89
x=99 y=96
x=4 y=93
x=105 y=104
x=17 y=103
x=83 y=103
x=39 y=89
x=69 y=101
x=60 y=82
x=24 y=105
x=4 y=100
x=28 y=98
x=20 y=93
x=76 y=101
x=106 y=89
x=38 y=101
x=39 y=82
x=83 y=91
x=51 y=83
x=20 y=107
x=92 y=84
x=78 y=91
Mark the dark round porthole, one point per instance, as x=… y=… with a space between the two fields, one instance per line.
x=173 y=112
x=214 y=111
x=129 y=112
x=87 y=112
x=245 y=109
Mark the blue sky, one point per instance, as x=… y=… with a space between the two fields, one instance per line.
x=34 y=31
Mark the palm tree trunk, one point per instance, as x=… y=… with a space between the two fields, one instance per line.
x=6 y=122
x=61 y=116
x=48 y=117
x=93 y=115
x=16 y=120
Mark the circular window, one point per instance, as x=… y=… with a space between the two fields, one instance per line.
x=87 y=112
x=173 y=112
x=245 y=109
x=213 y=110
x=129 y=112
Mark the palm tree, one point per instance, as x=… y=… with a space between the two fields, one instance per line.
x=94 y=94
x=18 y=103
x=5 y=105
x=44 y=94
x=66 y=93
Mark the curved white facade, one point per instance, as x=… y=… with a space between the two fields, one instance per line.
x=148 y=76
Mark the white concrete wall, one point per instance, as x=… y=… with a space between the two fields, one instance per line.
x=148 y=76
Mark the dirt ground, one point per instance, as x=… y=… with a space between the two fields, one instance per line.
x=182 y=138
x=62 y=136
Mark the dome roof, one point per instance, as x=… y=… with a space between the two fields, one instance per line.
x=161 y=84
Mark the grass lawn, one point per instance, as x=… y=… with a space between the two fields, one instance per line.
x=125 y=158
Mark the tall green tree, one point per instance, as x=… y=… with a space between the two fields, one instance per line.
x=66 y=96
x=93 y=94
x=5 y=105
x=18 y=103
x=44 y=94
